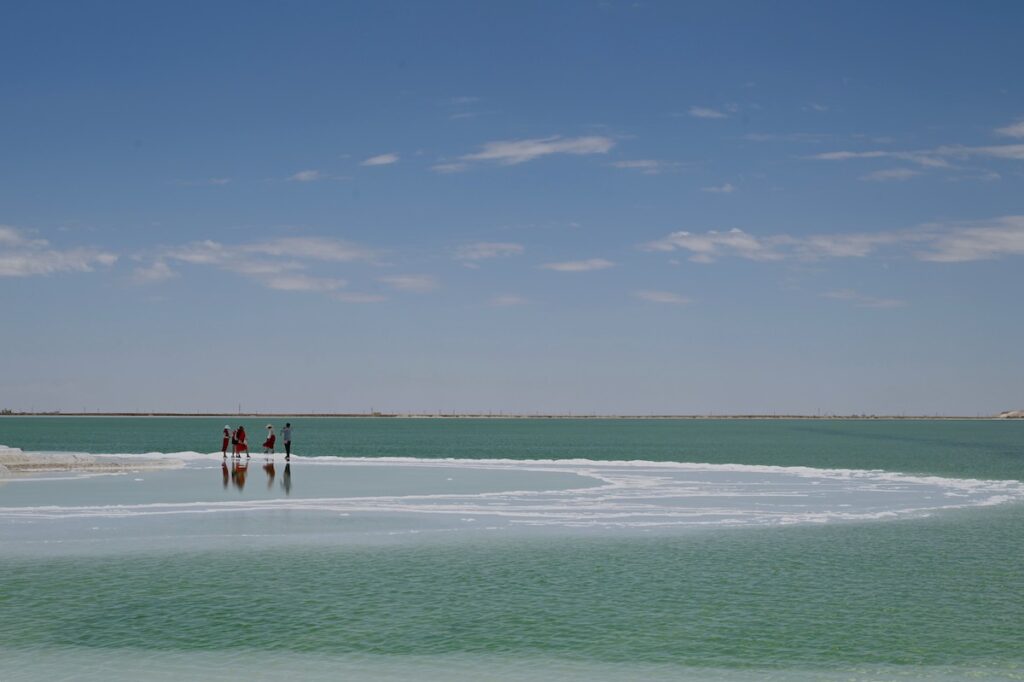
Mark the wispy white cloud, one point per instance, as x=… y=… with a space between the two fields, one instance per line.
x=956 y=242
x=1012 y=130
x=306 y=176
x=279 y=264
x=158 y=271
x=891 y=175
x=937 y=157
x=449 y=167
x=206 y=252
x=508 y=300
x=483 y=250
x=513 y=152
x=24 y=256
x=460 y=106
x=927 y=158
x=208 y=182
x=381 y=160
x=49 y=261
x=985 y=241
x=707 y=112
x=815 y=106
x=861 y=301
x=710 y=246
x=417 y=284
x=301 y=282
x=11 y=237
x=315 y=248
x=209 y=252
x=1013 y=152
x=843 y=245
x=662 y=297
x=579 y=265
x=647 y=166
x=813 y=138
x=727 y=188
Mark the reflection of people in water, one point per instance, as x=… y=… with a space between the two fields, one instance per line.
x=224 y=473
x=286 y=479
x=269 y=468
x=239 y=470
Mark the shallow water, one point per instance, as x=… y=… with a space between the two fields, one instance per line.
x=373 y=570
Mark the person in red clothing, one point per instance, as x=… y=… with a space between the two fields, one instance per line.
x=243 y=444
x=224 y=443
x=268 y=444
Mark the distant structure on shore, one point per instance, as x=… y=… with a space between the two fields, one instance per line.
x=1012 y=414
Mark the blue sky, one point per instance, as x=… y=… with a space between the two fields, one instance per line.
x=595 y=207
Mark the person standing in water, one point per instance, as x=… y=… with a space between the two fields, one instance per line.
x=224 y=443
x=286 y=434
x=243 y=444
x=268 y=444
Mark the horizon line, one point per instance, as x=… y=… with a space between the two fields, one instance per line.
x=1008 y=414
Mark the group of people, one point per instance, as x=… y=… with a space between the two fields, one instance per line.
x=238 y=441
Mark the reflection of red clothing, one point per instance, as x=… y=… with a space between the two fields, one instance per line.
x=269 y=442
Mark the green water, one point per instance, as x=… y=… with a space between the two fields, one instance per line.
x=988 y=449
x=934 y=598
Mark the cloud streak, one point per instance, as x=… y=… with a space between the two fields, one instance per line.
x=485 y=250
x=1012 y=130
x=507 y=301
x=315 y=248
x=514 y=152
x=706 y=112
x=579 y=265
x=1001 y=237
x=939 y=157
x=381 y=160
x=301 y=282
x=727 y=188
x=666 y=297
x=891 y=175
x=159 y=271
x=278 y=264
x=23 y=256
x=306 y=176
x=417 y=284
x=708 y=247
x=861 y=301
x=646 y=166
x=942 y=243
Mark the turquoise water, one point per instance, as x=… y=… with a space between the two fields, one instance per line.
x=991 y=449
x=937 y=596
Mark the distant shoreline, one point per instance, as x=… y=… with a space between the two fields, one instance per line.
x=380 y=415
